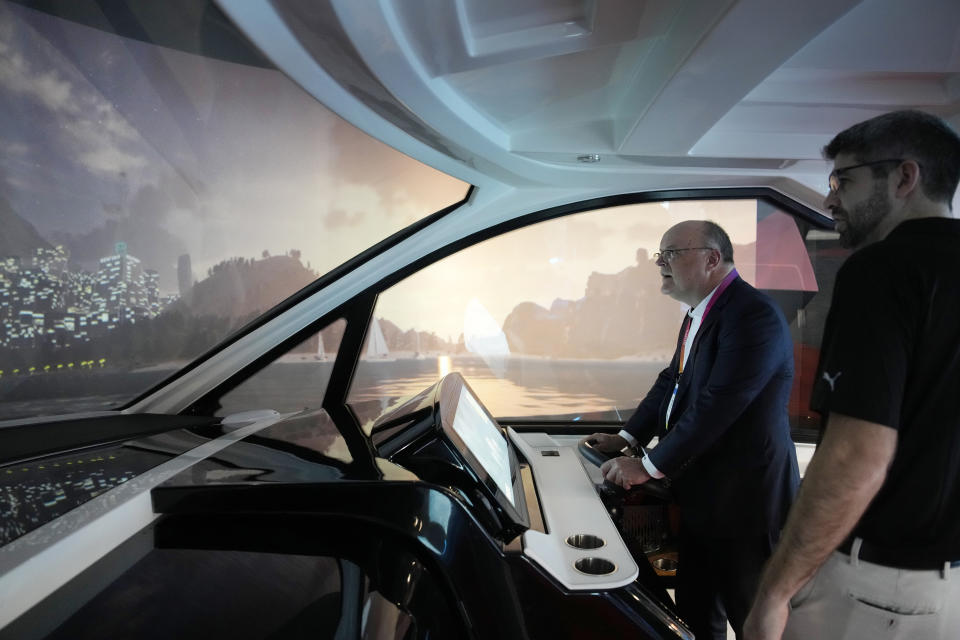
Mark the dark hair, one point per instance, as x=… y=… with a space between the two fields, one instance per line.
x=716 y=237
x=913 y=135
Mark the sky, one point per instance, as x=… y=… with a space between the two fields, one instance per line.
x=551 y=260
x=104 y=138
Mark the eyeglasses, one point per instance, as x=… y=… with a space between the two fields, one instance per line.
x=668 y=255
x=834 y=179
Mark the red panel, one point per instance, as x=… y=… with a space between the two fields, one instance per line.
x=782 y=259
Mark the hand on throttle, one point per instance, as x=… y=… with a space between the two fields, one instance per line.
x=624 y=471
x=608 y=442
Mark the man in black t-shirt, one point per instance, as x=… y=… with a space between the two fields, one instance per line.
x=872 y=545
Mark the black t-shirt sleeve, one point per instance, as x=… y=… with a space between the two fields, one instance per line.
x=865 y=352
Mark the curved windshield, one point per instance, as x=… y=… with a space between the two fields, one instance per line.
x=564 y=320
x=160 y=192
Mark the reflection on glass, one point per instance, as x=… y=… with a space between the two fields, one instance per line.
x=586 y=328
x=154 y=200
x=562 y=319
x=443 y=366
x=296 y=381
x=484 y=440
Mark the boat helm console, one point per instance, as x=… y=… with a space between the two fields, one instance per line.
x=467 y=529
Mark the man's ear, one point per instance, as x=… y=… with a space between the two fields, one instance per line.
x=713 y=259
x=908 y=178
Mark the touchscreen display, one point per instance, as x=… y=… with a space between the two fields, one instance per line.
x=484 y=440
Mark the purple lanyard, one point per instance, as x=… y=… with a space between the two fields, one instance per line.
x=683 y=345
x=730 y=277
x=720 y=289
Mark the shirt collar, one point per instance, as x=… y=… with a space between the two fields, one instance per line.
x=698 y=311
x=701 y=308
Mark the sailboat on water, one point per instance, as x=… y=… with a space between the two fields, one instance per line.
x=377 y=349
x=321 y=354
x=418 y=354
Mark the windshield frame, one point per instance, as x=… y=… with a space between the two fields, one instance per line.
x=360 y=308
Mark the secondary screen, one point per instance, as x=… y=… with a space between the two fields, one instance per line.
x=484 y=440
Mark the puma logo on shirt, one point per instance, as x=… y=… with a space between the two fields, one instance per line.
x=831 y=379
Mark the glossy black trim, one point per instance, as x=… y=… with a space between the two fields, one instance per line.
x=320 y=283
x=357 y=314
x=424 y=437
x=301 y=518
x=348 y=355
x=450 y=390
x=335 y=396
x=393 y=564
x=25 y=441
x=551 y=611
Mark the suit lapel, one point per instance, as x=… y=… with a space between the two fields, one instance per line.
x=674 y=366
x=705 y=328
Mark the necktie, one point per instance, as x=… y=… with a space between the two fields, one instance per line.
x=688 y=320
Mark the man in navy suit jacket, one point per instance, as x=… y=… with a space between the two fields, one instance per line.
x=720 y=412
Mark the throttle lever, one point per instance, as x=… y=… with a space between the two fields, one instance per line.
x=653 y=487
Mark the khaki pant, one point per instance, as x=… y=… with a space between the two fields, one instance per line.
x=848 y=599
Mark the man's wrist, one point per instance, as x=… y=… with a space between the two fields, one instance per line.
x=651 y=468
x=774 y=588
x=770 y=600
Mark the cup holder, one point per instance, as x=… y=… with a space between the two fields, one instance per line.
x=664 y=564
x=594 y=566
x=585 y=541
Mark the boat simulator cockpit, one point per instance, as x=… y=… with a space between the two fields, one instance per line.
x=457 y=526
x=269 y=269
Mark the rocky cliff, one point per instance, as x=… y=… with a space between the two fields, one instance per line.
x=620 y=314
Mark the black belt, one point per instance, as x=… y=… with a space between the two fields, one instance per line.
x=914 y=559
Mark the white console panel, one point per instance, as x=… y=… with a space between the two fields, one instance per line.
x=570 y=506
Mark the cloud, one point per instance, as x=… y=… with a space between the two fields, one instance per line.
x=112 y=122
x=341 y=218
x=359 y=157
x=16 y=182
x=32 y=67
x=110 y=160
x=14 y=149
x=101 y=145
x=19 y=76
x=350 y=205
x=53 y=92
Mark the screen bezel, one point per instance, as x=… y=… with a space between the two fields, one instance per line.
x=449 y=399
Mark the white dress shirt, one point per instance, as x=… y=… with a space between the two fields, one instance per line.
x=696 y=319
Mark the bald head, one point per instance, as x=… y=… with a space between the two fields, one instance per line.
x=698 y=256
x=706 y=233
x=688 y=228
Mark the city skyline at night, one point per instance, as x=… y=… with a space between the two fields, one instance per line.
x=44 y=302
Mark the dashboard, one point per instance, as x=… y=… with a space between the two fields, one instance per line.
x=457 y=509
x=449 y=437
x=580 y=545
